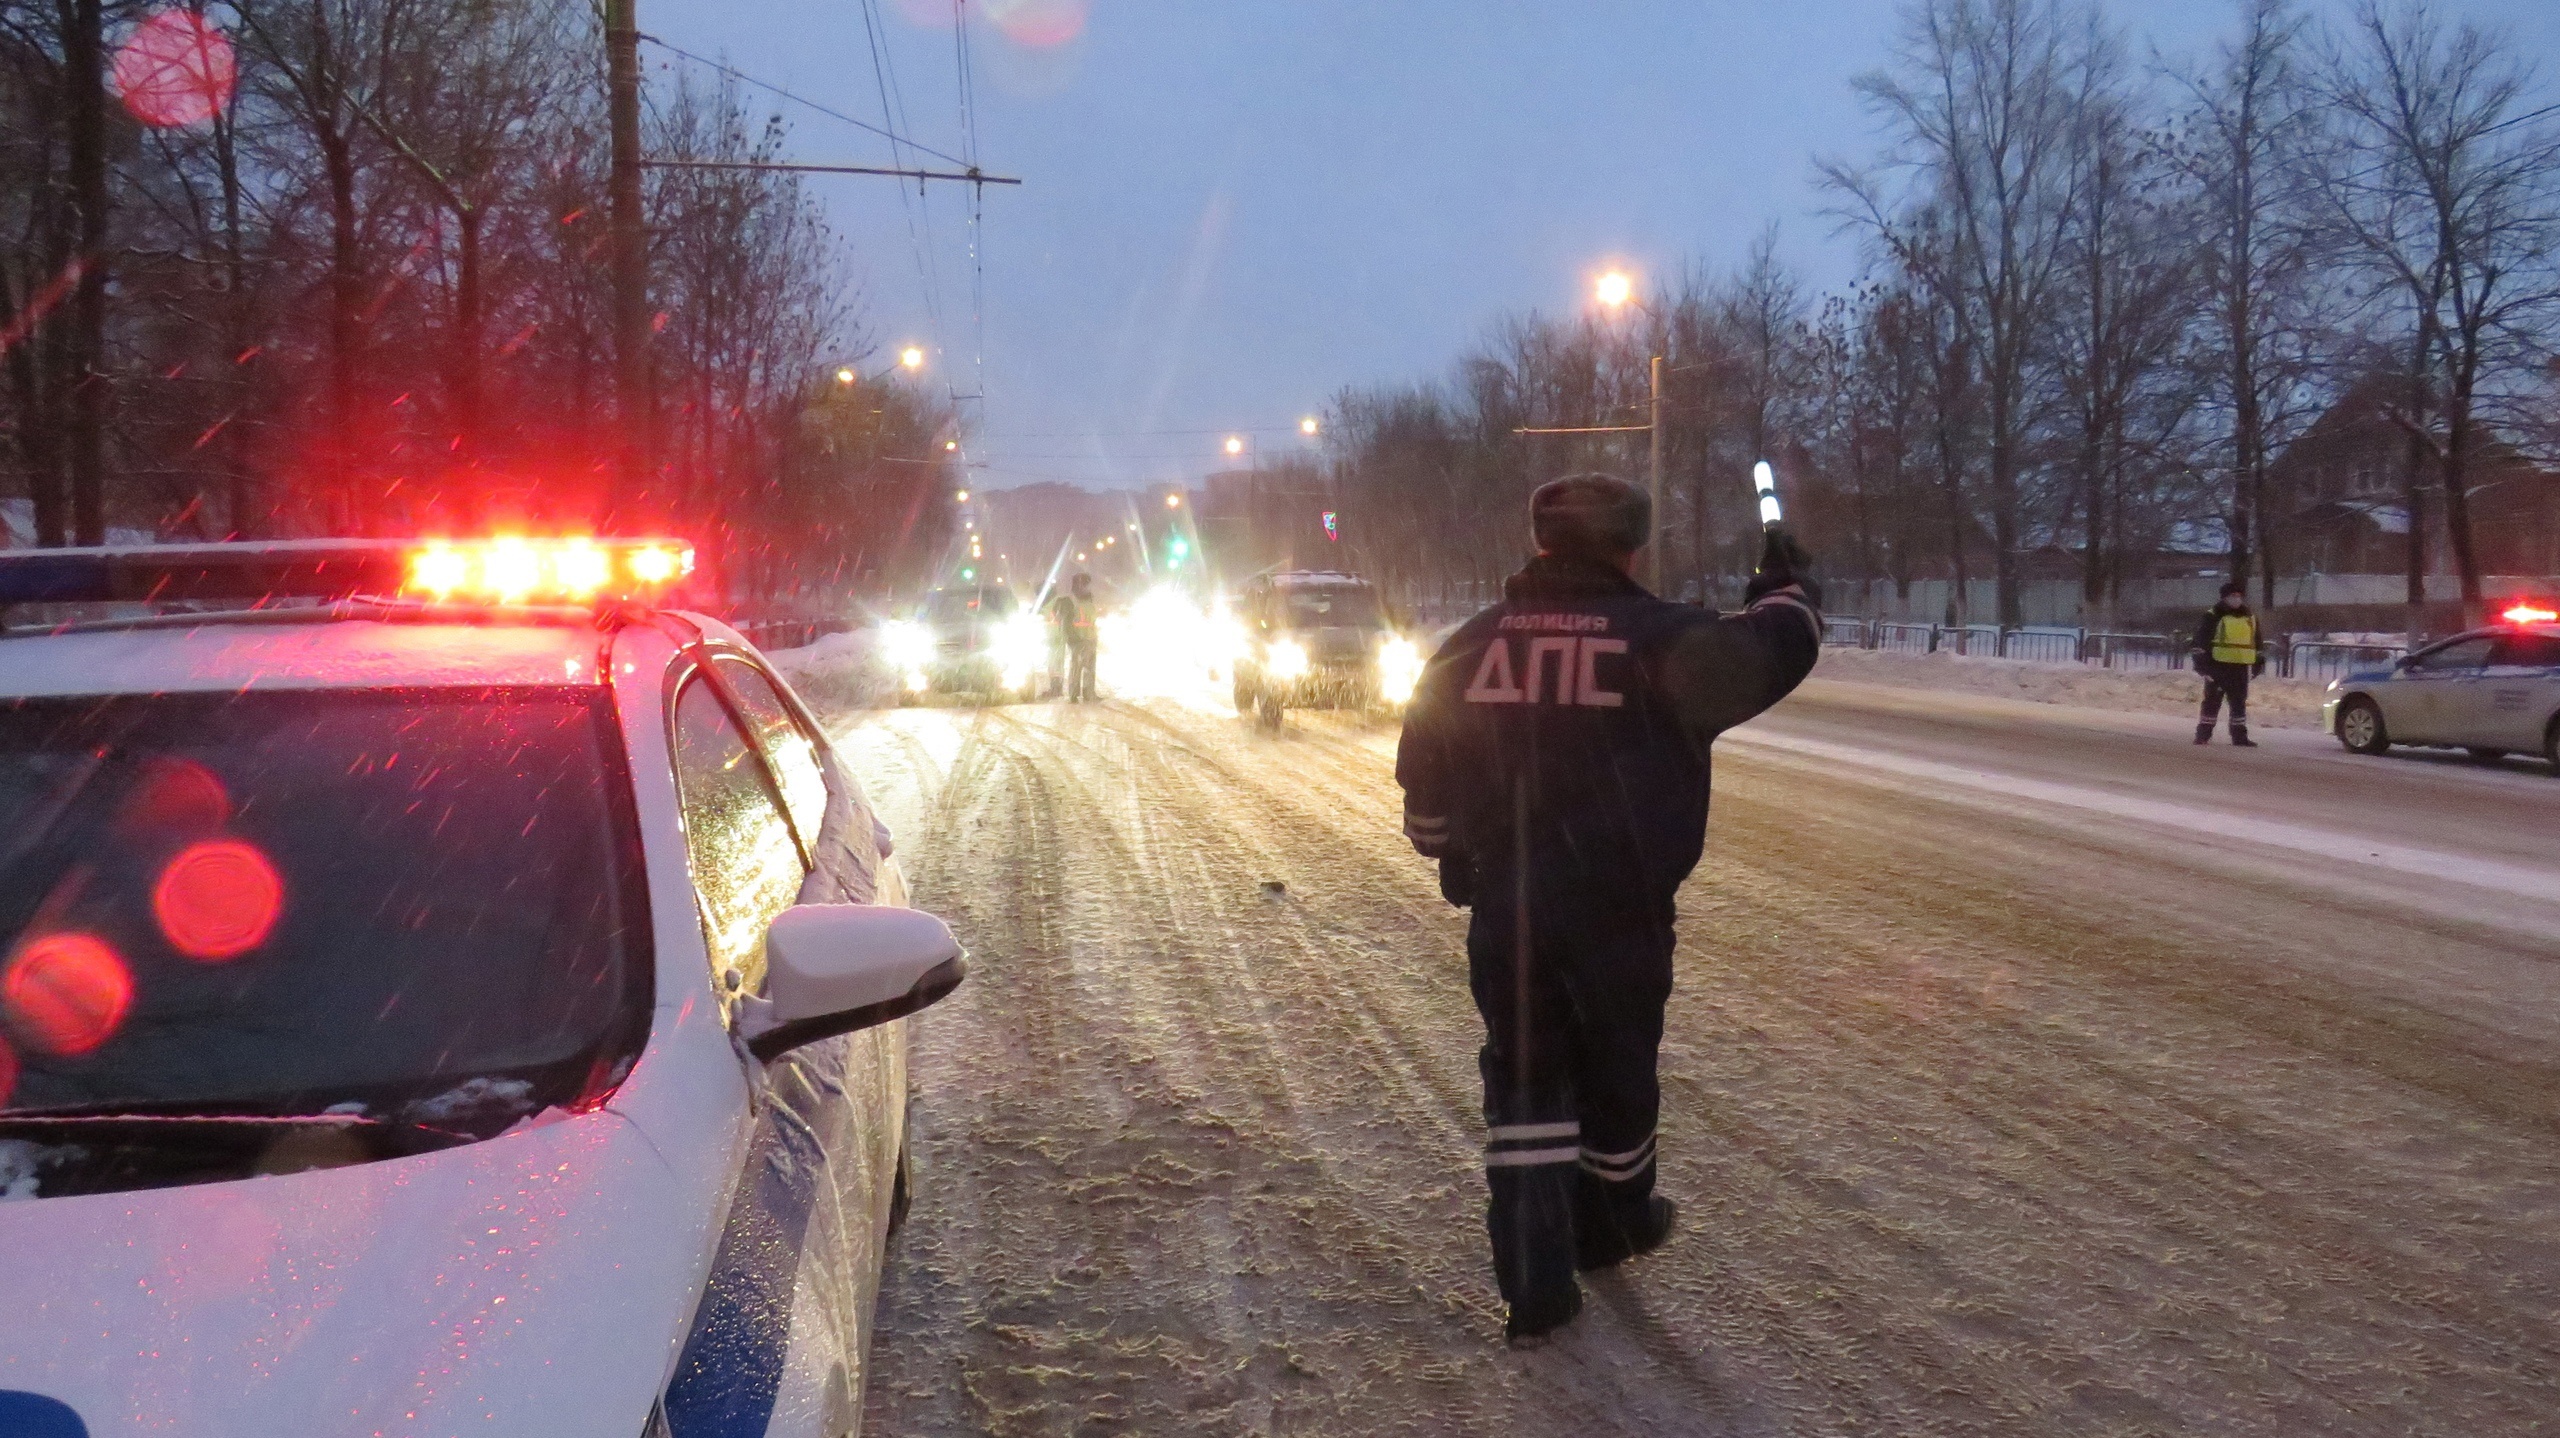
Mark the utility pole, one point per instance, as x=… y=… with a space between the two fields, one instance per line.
x=634 y=407
x=1653 y=483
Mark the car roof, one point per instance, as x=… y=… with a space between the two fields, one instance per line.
x=221 y=652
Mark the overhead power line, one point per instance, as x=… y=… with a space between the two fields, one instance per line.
x=742 y=77
x=970 y=176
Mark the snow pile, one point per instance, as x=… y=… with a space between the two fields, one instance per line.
x=2280 y=703
x=839 y=671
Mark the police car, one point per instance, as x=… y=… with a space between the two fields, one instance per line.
x=441 y=990
x=2493 y=691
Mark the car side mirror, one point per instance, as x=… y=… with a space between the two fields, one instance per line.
x=834 y=968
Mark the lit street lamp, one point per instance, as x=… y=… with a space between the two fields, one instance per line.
x=1307 y=426
x=912 y=357
x=1615 y=291
x=1235 y=445
x=844 y=374
x=1173 y=501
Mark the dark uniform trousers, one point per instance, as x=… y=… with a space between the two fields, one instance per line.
x=1573 y=1019
x=2222 y=681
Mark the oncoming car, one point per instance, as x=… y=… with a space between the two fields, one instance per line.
x=1315 y=639
x=2493 y=691
x=455 y=995
x=973 y=639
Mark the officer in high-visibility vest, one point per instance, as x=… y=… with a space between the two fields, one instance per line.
x=1555 y=761
x=2228 y=649
x=1073 y=614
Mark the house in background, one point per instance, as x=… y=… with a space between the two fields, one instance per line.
x=2342 y=487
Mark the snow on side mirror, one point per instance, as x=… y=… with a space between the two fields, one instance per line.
x=833 y=968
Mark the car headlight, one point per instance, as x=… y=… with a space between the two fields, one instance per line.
x=906 y=644
x=1399 y=668
x=1021 y=645
x=1284 y=660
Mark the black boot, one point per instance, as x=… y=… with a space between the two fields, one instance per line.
x=1530 y=1324
x=2240 y=737
x=2204 y=732
x=1606 y=1245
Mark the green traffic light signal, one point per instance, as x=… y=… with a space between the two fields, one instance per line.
x=1179 y=548
x=968 y=574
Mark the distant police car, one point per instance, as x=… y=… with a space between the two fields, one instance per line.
x=454 y=995
x=2492 y=691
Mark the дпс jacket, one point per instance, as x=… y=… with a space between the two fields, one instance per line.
x=1563 y=735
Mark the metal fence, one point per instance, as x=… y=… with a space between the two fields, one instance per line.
x=2041 y=646
x=2294 y=659
x=2133 y=651
x=2321 y=659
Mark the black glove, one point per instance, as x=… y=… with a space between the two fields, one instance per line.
x=1458 y=878
x=1783 y=562
x=2195 y=660
x=2259 y=669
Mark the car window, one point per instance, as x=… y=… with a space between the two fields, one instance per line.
x=2463 y=654
x=790 y=749
x=2528 y=651
x=745 y=865
x=1322 y=608
x=424 y=904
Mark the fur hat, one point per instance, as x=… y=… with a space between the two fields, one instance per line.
x=1592 y=516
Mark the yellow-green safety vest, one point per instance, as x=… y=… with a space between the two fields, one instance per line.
x=2235 y=639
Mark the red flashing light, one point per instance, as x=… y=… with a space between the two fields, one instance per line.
x=66 y=993
x=217 y=900
x=2531 y=614
x=522 y=571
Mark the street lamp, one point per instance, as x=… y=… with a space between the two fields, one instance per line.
x=961 y=495
x=912 y=357
x=844 y=374
x=1307 y=426
x=1172 y=501
x=1235 y=445
x=1615 y=291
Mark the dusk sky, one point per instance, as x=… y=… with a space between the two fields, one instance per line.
x=1232 y=210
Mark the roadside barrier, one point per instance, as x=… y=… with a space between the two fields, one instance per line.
x=2043 y=644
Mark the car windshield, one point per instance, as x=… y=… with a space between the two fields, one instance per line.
x=413 y=905
x=958 y=606
x=1344 y=607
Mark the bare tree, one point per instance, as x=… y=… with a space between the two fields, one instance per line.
x=1981 y=104
x=2446 y=183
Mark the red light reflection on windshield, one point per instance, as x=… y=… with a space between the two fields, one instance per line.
x=66 y=993
x=8 y=1071
x=175 y=796
x=217 y=899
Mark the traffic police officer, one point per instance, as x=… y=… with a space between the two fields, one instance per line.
x=2227 y=650
x=1555 y=762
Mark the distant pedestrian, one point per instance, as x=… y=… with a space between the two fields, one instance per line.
x=1073 y=615
x=1555 y=762
x=2227 y=651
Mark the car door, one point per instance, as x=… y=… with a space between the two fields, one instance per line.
x=777 y=1341
x=2423 y=703
x=2517 y=690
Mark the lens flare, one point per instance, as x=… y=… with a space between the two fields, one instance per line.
x=66 y=993
x=1399 y=668
x=217 y=900
x=176 y=70
x=1039 y=24
x=174 y=796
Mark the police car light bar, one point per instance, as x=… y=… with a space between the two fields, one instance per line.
x=2531 y=614
x=499 y=571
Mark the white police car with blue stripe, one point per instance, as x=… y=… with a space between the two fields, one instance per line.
x=456 y=995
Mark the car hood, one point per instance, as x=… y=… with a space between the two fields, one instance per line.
x=536 y=1282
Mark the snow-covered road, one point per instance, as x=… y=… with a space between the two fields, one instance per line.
x=2031 y=1072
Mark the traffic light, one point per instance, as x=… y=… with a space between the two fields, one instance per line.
x=1176 y=550
x=970 y=575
